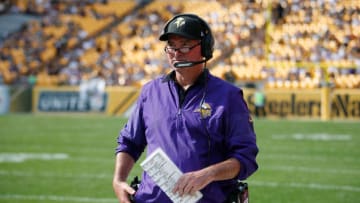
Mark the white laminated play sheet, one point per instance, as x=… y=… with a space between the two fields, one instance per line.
x=165 y=174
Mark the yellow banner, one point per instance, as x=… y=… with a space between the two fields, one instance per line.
x=322 y=104
x=345 y=104
x=316 y=103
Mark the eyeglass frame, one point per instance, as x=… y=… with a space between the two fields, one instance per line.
x=167 y=49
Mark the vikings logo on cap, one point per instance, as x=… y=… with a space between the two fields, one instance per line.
x=179 y=22
x=204 y=110
x=186 y=26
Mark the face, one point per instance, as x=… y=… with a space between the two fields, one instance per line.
x=181 y=49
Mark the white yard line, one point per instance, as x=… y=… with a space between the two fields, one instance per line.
x=22 y=156
x=319 y=158
x=314 y=137
x=56 y=198
x=19 y=157
x=313 y=170
x=68 y=149
x=306 y=185
x=53 y=175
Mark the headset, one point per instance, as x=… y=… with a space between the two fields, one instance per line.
x=207 y=41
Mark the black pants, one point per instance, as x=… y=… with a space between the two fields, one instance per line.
x=260 y=111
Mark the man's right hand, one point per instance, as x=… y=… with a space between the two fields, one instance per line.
x=123 y=191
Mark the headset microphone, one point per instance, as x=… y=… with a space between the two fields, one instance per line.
x=185 y=64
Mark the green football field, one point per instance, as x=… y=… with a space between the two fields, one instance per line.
x=47 y=158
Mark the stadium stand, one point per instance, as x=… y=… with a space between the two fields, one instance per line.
x=280 y=44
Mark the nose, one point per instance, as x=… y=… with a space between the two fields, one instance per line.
x=177 y=52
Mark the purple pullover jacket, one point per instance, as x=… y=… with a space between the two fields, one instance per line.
x=193 y=140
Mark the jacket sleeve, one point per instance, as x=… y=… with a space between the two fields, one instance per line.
x=241 y=137
x=131 y=138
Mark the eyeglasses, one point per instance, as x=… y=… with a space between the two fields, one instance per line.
x=183 y=50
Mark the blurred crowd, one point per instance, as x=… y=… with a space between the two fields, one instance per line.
x=278 y=43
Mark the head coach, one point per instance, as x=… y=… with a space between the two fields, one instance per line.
x=200 y=121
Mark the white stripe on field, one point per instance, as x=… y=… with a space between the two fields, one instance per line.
x=314 y=137
x=22 y=156
x=307 y=186
x=319 y=158
x=56 y=198
x=313 y=170
x=36 y=147
x=52 y=175
x=19 y=157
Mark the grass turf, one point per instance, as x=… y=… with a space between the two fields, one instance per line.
x=71 y=158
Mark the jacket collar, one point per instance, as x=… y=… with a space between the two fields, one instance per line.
x=200 y=80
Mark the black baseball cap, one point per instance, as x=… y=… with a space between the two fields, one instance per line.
x=184 y=25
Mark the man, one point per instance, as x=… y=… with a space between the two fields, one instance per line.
x=200 y=121
x=259 y=101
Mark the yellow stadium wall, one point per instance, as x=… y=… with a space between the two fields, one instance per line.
x=321 y=104
x=285 y=103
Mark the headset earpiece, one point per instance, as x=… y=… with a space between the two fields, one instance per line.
x=207 y=45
